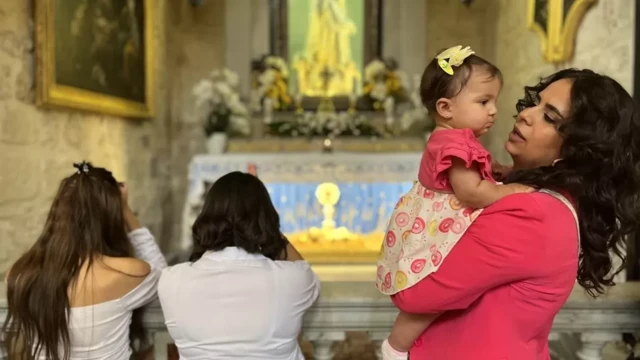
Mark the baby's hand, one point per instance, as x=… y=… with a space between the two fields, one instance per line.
x=519 y=188
x=500 y=172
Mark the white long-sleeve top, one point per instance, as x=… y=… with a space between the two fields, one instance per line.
x=234 y=305
x=101 y=331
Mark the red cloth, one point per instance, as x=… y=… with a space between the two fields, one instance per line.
x=502 y=284
x=442 y=147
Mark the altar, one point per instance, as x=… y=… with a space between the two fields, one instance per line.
x=368 y=186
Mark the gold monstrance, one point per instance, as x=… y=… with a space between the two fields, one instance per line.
x=329 y=244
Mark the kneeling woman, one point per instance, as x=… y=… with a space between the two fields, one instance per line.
x=245 y=292
x=76 y=293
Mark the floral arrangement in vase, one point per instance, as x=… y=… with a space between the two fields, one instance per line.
x=219 y=106
x=382 y=81
x=270 y=83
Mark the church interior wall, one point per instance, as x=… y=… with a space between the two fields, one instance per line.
x=38 y=147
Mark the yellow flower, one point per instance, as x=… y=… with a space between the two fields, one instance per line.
x=368 y=88
x=447 y=53
x=401 y=280
x=455 y=56
x=433 y=227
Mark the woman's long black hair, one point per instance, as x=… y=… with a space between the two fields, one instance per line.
x=238 y=212
x=599 y=168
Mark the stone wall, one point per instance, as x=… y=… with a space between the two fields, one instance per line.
x=451 y=23
x=197 y=43
x=37 y=147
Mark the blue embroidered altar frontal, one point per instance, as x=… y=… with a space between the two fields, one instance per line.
x=370 y=185
x=362 y=208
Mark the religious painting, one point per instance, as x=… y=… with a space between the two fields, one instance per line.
x=556 y=23
x=96 y=55
x=541 y=14
x=326 y=42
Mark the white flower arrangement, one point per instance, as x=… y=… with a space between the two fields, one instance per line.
x=310 y=124
x=219 y=104
x=383 y=81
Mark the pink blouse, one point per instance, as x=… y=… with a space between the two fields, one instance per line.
x=442 y=147
x=502 y=284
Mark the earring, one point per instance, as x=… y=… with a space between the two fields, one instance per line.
x=555 y=162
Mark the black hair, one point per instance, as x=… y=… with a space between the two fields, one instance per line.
x=599 y=168
x=238 y=212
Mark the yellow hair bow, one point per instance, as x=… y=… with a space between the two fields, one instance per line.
x=455 y=55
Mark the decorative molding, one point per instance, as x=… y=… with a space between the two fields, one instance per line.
x=556 y=23
x=52 y=93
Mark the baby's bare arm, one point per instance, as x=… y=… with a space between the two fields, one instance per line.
x=407 y=328
x=476 y=192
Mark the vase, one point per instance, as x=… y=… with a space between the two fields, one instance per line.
x=216 y=143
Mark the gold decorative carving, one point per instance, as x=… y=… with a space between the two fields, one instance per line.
x=95 y=27
x=556 y=23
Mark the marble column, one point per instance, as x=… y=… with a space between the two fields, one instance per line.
x=593 y=343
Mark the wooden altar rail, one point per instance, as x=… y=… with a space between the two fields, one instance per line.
x=355 y=305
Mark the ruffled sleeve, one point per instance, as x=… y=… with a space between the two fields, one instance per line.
x=464 y=146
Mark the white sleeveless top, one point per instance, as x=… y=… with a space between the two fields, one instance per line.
x=101 y=331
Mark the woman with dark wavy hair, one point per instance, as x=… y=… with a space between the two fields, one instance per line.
x=77 y=293
x=577 y=139
x=245 y=291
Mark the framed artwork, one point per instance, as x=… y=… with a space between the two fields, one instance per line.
x=96 y=55
x=556 y=23
x=290 y=16
x=326 y=38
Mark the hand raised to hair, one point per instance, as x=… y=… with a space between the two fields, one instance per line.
x=124 y=194
x=130 y=219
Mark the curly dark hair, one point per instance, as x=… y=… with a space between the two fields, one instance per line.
x=238 y=212
x=599 y=168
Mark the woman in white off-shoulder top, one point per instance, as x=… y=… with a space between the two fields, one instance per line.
x=245 y=292
x=77 y=293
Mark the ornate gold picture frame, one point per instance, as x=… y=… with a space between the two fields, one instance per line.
x=96 y=56
x=556 y=23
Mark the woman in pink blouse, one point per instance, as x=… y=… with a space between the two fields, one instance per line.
x=497 y=294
